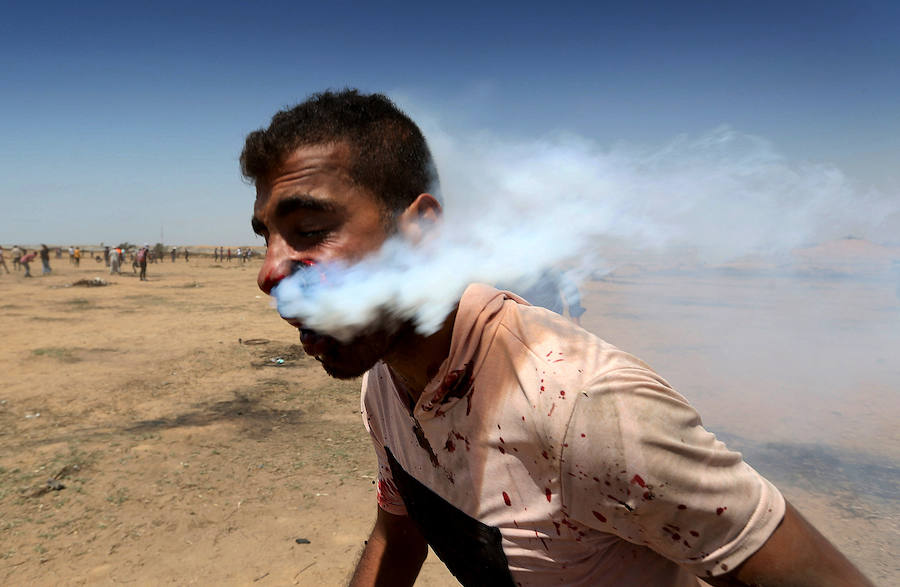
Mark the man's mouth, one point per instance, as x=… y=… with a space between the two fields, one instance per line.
x=314 y=344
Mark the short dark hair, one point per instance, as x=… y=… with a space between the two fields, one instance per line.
x=390 y=155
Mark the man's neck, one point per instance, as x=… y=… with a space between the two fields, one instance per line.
x=416 y=359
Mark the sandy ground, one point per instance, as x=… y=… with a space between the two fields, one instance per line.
x=196 y=443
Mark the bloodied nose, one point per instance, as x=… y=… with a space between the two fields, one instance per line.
x=272 y=272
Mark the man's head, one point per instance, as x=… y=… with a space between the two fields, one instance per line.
x=336 y=176
x=388 y=153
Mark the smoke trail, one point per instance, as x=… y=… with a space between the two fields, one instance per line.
x=513 y=209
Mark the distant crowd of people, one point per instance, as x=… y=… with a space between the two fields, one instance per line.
x=22 y=258
x=223 y=254
x=114 y=258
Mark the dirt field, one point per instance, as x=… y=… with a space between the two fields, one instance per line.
x=189 y=440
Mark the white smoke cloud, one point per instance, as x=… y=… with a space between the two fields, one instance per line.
x=513 y=208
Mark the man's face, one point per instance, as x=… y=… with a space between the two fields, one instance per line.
x=310 y=211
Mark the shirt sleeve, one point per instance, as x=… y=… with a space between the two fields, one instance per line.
x=386 y=492
x=638 y=463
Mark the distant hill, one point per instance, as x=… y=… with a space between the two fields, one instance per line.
x=849 y=256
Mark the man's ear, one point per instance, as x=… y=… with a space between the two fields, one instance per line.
x=414 y=222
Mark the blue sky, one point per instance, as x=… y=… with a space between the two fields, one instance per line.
x=120 y=121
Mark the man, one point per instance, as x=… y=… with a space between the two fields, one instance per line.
x=141 y=259
x=523 y=449
x=115 y=258
x=3 y=261
x=16 y=253
x=45 y=260
x=26 y=260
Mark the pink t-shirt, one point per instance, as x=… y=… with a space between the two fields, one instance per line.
x=542 y=455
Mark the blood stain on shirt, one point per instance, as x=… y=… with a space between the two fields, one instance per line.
x=553 y=407
x=695 y=534
x=562 y=393
x=599 y=516
x=548 y=493
x=639 y=481
x=506 y=499
x=423 y=442
x=720 y=510
x=459 y=436
x=681 y=506
x=450 y=445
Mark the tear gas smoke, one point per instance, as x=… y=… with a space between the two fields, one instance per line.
x=513 y=209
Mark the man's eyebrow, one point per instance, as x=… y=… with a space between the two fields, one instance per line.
x=292 y=203
x=295 y=202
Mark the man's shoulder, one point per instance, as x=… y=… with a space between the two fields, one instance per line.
x=546 y=334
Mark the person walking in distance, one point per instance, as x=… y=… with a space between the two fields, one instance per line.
x=3 y=260
x=141 y=259
x=114 y=261
x=45 y=260
x=17 y=253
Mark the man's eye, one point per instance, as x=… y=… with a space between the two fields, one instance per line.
x=312 y=233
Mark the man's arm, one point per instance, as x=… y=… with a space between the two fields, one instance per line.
x=393 y=554
x=795 y=554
